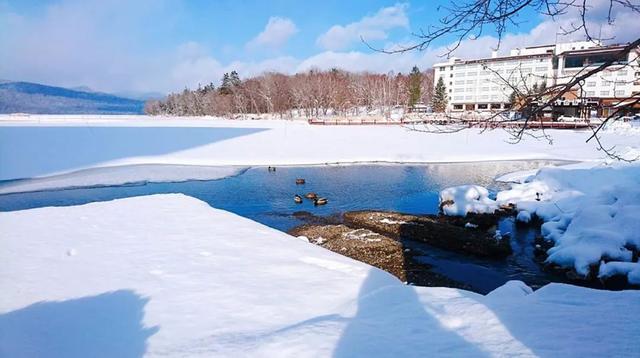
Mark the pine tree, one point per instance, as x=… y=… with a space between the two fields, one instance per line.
x=440 y=100
x=234 y=78
x=415 y=81
x=225 y=86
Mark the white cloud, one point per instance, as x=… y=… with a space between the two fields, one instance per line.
x=370 y=28
x=76 y=43
x=275 y=34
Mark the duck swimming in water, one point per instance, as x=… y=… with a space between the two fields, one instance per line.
x=320 y=201
x=300 y=181
x=298 y=199
x=312 y=196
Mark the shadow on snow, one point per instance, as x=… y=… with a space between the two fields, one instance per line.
x=106 y=325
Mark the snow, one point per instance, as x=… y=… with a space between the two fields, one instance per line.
x=128 y=174
x=167 y=275
x=463 y=199
x=39 y=146
x=523 y=216
x=629 y=269
x=590 y=214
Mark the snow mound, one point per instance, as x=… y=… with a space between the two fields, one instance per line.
x=589 y=214
x=464 y=199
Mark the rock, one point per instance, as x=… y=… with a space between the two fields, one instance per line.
x=359 y=244
x=431 y=230
x=377 y=250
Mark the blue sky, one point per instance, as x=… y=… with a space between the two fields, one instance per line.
x=166 y=45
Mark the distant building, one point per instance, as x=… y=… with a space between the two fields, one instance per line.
x=483 y=84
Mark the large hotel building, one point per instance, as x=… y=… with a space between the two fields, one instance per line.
x=483 y=84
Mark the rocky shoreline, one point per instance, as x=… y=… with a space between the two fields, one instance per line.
x=382 y=239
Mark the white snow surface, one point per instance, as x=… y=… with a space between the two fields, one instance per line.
x=590 y=213
x=127 y=174
x=464 y=199
x=38 y=146
x=167 y=275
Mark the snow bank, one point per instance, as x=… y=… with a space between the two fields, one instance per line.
x=128 y=174
x=167 y=275
x=463 y=199
x=590 y=214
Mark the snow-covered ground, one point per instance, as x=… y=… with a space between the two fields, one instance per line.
x=167 y=275
x=38 y=146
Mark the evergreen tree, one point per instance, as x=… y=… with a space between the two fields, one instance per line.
x=234 y=79
x=440 y=98
x=225 y=86
x=415 y=81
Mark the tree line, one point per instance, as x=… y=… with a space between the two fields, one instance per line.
x=311 y=93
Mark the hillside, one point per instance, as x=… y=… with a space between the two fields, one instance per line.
x=26 y=97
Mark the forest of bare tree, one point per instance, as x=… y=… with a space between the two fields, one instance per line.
x=312 y=93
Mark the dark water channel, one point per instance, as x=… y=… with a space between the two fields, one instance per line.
x=267 y=197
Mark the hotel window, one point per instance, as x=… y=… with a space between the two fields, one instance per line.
x=442 y=68
x=495 y=88
x=591 y=84
x=469 y=97
x=486 y=96
x=541 y=69
x=457 y=106
x=472 y=73
x=591 y=93
x=485 y=89
x=619 y=93
x=460 y=82
x=458 y=98
x=459 y=89
x=604 y=93
x=607 y=83
x=471 y=82
x=622 y=73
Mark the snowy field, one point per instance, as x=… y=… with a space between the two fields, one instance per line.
x=167 y=275
x=39 y=146
x=163 y=276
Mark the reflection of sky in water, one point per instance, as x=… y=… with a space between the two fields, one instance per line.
x=268 y=198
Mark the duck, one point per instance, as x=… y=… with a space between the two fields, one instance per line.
x=297 y=198
x=320 y=201
x=300 y=181
x=271 y=169
x=312 y=196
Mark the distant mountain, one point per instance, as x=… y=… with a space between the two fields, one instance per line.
x=26 y=97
